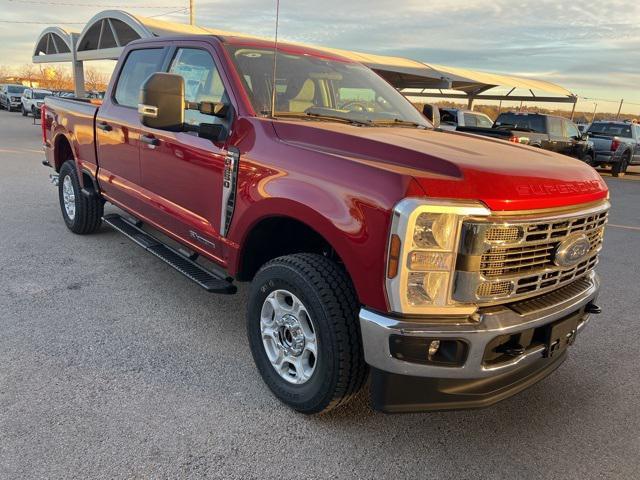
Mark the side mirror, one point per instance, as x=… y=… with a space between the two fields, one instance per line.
x=162 y=102
x=432 y=112
x=584 y=137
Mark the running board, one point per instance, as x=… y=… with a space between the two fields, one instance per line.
x=190 y=269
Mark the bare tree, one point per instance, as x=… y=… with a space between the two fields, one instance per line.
x=95 y=80
x=28 y=73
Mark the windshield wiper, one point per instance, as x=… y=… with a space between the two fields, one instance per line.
x=339 y=118
x=306 y=115
x=399 y=121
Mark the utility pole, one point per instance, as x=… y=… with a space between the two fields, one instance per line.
x=192 y=12
x=619 y=109
x=595 y=108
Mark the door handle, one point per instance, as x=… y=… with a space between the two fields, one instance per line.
x=150 y=140
x=104 y=126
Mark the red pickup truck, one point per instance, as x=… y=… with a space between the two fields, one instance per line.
x=451 y=269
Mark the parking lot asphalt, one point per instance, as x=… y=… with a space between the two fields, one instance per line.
x=112 y=365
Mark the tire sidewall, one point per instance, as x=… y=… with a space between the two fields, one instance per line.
x=68 y=170
x=318 y=389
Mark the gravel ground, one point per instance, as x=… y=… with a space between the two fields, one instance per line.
x=114 y=366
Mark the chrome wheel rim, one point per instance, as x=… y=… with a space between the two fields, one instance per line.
x=289 y=337
x=69 y=198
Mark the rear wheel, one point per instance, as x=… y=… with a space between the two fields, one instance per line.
x=304 y=334
x=81 y=213
x=620 y=168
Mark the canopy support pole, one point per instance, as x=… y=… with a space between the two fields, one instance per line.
x=470 y=102
x=78 y=70
x=573 y=110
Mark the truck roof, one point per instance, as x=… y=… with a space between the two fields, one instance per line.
x=251 y=42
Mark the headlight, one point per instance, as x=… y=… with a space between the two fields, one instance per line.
x=422 y=252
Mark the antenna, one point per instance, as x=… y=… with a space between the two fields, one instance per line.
x=275 y=63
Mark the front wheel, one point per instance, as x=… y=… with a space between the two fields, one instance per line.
x=81 y=213
x=24 y=111
x=303 y=330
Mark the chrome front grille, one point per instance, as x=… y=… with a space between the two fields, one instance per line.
x=514 y=257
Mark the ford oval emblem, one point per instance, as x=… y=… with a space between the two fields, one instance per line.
x=573 y=250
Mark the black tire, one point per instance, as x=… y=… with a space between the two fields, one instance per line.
x=33 y=111
x=24 y=111
x=328 y=295
x=88 y=209
x=620 y=168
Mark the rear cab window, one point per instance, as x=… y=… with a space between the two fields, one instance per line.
x=533 y=123
x=611 y=129
x=138 y=66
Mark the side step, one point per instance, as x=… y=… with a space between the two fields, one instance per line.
x=190 y=269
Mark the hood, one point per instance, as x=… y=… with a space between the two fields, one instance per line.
x=503 y=175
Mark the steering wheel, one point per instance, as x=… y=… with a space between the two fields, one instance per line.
x=355 y=106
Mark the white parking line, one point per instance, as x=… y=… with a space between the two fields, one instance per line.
x=626 y=227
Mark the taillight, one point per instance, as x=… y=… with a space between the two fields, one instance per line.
x=514 y=139
x=43 y=123
x=615 y=144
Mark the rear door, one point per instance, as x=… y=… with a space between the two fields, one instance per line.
x=557 y=141
x=118 y=129
x=182 y=172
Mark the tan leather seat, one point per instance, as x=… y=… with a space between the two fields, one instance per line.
x=304 y=98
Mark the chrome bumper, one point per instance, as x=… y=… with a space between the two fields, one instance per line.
x=497 y=321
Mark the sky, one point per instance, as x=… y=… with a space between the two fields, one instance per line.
x=591 y=47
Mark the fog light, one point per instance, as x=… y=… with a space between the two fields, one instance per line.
x=434 y=346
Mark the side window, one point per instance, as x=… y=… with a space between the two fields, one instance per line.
x=484 y=122
x=555 y=127
x=470 y=120
x=202 y=82
x=572 y=130
x=136 y=69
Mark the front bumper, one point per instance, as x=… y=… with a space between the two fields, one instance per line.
x=475 y=382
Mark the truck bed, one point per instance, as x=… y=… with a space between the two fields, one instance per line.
x=74 y=118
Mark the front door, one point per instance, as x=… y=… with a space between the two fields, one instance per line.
x=182 y=172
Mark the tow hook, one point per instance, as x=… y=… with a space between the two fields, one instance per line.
x=53 y=177
x=593 y=308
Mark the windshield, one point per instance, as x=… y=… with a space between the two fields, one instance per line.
x=316 y=88
x=611 y=129
x=534 y=123
x=15 y=89
x=40 y=95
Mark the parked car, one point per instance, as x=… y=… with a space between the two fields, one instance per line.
x=452 y=118
x=10 y=96
x=32 y=99
x=456 y=268
x=548 y=132
x=616 y=144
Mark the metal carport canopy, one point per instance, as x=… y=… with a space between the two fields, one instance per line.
x=108 y=32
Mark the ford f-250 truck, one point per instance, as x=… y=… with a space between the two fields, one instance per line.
x=548 y=132
x=453 y=269
x=616 y=144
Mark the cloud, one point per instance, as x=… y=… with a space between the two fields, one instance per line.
x=583 y=45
